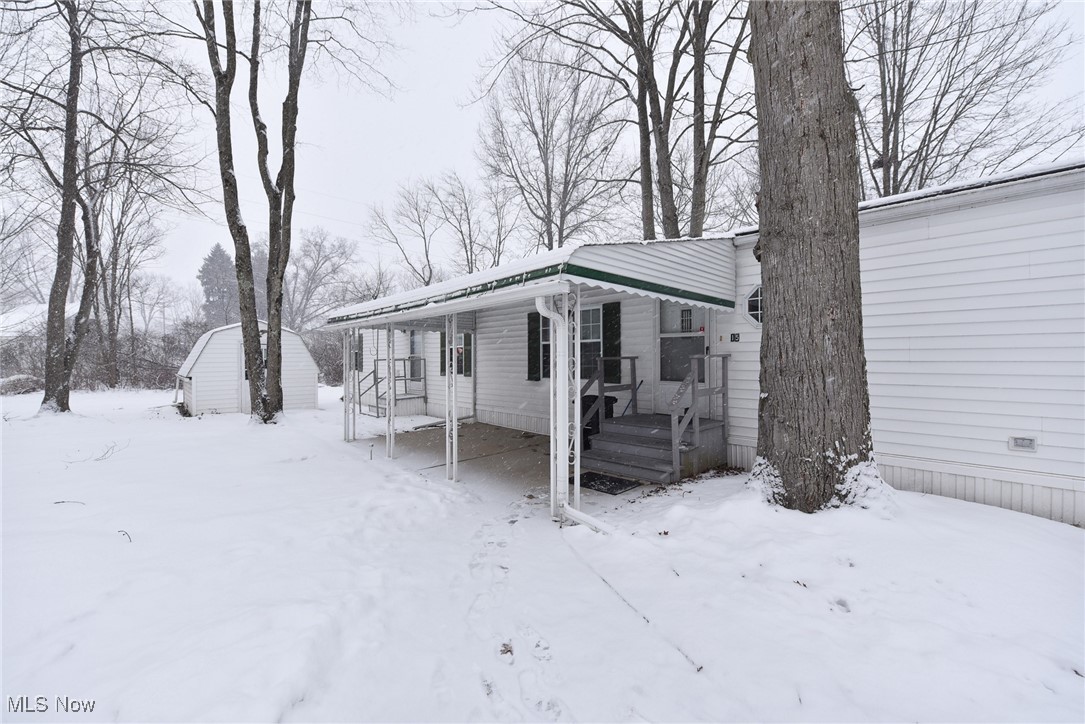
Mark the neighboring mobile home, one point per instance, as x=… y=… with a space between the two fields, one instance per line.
x=213 y=376
x=974 y=322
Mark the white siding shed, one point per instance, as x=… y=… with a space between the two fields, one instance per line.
x=212 y=377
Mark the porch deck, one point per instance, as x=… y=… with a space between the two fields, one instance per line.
x=638 y=447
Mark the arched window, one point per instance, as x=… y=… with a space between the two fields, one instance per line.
x=754 y=306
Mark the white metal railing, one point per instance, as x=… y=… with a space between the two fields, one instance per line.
x=410 y=372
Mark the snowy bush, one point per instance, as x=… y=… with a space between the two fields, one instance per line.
x=20 y=384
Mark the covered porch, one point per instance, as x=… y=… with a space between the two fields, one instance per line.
x=564 y=341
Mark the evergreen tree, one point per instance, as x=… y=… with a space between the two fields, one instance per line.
x=220 y=305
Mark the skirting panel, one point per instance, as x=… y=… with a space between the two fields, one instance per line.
x=740 y=456
x=1065 y=506
x=516 y=421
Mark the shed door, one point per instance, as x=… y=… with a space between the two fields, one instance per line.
x=242 y=375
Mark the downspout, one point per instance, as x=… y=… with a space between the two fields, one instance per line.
x=559 y=413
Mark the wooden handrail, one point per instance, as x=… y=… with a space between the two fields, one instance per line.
x=597 y=380
x=691 y=384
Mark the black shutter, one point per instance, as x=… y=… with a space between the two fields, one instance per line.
x=468 y=350
x=442 y=357
x=612 y=342
x=534 y=369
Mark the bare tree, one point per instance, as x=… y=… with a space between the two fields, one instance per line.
x=151 y=299
x=344 y=35
x=22 y=262
x=63 y=62
x=411 y=227
x=373 y=283
x=480 y=222
x=947 y=88
x=678 y=65
x=814 y=415
x=318 y=279
x=125 y=187
x=550 y=136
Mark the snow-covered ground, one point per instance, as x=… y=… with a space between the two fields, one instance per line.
x=214 y=569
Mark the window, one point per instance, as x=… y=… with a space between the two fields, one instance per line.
x=686 y=320
x=754 y=306
x=416 y=359
x=591 y=340
x=462 y=354
x=675 y=318
x=681 y=335
x=263 y=356
x=600 y=336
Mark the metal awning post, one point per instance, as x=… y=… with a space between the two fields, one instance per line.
x=559 y=400
x=390 y=396
x=346 y=384
x=572 y=306
x=352 y=367
x=452 y=433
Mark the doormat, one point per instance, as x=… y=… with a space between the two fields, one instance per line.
x=606 y=483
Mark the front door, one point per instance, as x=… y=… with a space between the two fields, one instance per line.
x=683 y=331
x=243 y=375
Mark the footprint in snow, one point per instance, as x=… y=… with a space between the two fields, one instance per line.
x=439 y=684
x=540 y=647
x=504 y=711
x=537 y=700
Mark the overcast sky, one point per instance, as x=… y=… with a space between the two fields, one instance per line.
x=357 y=145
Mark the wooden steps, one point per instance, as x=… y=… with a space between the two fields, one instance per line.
x=638 y=447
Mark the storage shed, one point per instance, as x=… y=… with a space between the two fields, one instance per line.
x=213 y=379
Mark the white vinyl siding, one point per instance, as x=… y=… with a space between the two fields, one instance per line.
x=985 y=339
x=217 y=374
x=744 y=365
x=974 y=325
x=299 y=374
x=504 y=394
x=701 y=265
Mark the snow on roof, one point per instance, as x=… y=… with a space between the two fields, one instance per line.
x=27 y=319
x=190 y=360
x=637 y=264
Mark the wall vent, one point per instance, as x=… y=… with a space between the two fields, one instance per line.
x=1022 y=444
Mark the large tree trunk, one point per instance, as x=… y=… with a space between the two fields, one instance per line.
x=644 y=136
x=224 y=80
x=814 y=417
x=280 y=189
x=57 y=374
x=699 y=16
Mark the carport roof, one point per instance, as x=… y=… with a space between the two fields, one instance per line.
x=690 y=271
